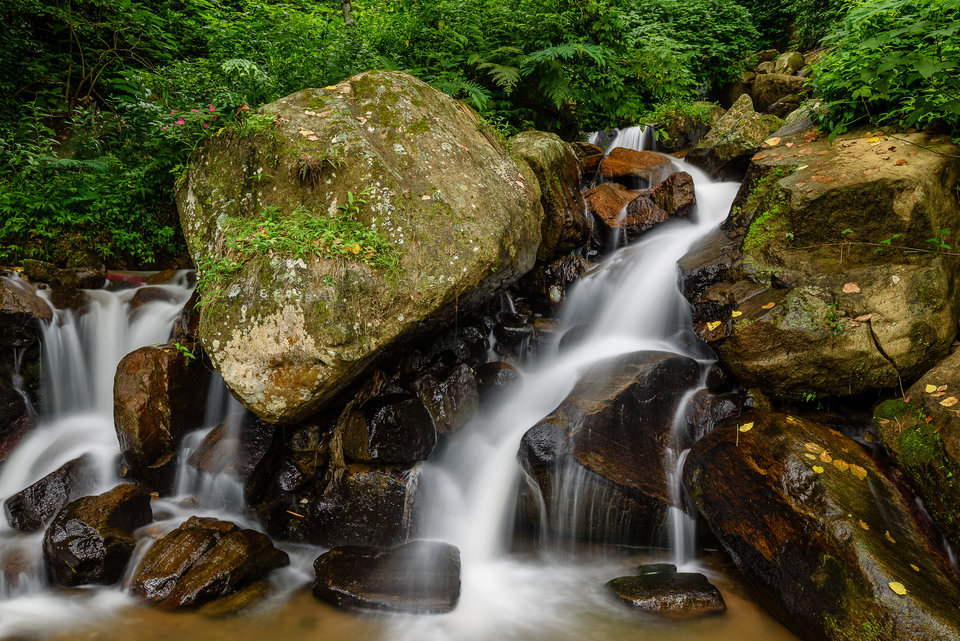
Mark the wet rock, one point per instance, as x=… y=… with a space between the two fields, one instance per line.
x=656 y=568
x=706 y=409
x=39 y=270
x=788 y=63
x=163 y=277
x=589 y=156
x=202 y=561
x=617 y=422
x=826 y=541
x=673 y=196
x=187 y=325
x=607 y=200
x=91 y=539
x=22 y=313
x=921 y=434
x=546 y=286
x=421 y=577
x=236 y=602
x=159 y=396
x=794 y=318
x=391 y=428
x=151 y=294
x=634 y=168
x=309 y=448
x=772 y=87
x=672 y=595
x=365 y=506
x=565 y=224
x=725 y=152
x=11 y=436
x=717 y=379
x=285 y=361
x=494 y=379
x=452 y=401
x=706 y=263
x=32 y=508
x=243 y=447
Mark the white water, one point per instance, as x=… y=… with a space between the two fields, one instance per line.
x=631 y=302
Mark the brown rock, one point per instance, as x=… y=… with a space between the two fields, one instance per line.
x=204 y=560
x=589 y=156
x=634 y=167
x=390 y=428
x=607 y=200
x=243 y=447
x=771 y=87
x=670 y=594
x=160 y=395
x=453 y=401
x=22 y=313
x=32 y=508
x=91 y=539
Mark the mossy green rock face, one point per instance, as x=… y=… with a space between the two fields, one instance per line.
x=287 y=333
x=726 y=150
x=829 y=544
x=922 y=436
x=829 y=299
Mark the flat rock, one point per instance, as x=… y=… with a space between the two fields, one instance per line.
x=634 y=168
x=674 y=595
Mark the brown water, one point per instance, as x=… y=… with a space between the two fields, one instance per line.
x=576 y=610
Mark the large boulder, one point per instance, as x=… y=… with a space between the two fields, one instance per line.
x=673 y=197
x=30 y=509
x=673 y=595
x=611 y=433
x=22 y=315
x=420 y=577
x=921 y=433
x=91 y=539
x=446 y=218
x=726 y=150
x=828 y=543
x=634 y=168
x=565 y=224
x=204 y=560
x=826 y=295
x=772 y=87
x=159 y=396
x=245 y=448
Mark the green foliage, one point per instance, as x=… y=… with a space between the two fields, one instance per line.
x=297 y=234
x=895 y=63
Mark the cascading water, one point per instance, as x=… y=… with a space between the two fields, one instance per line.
x=629 y=303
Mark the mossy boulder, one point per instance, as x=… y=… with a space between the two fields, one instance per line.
x=566 y=225
x=457 y=216
x=921 y=433
x=828 y=543
x=726 y=150
x=835 y=288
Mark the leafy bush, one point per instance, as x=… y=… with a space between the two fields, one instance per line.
x=893 y=62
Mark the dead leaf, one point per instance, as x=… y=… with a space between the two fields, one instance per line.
x=930 y=389
x=889 y=536
x=811 y=136
x=312 y=138
x=813 y=447
x=759 y=156
x=818 y=469
x=851 y=288
x=864 y=318
x=746 y=427
x=873 y=140
x=789 y=144
x=870 y=172
x=791 y=419
x=802 y=167
x=712 y=325
x=810 y=456
x=864 y=525
x=950 y=401
x=825 y=457
x=772 y=142
x=736 y=314
x=858 y=471
x=897 y=587
x=942 y=388
x=915 y=568
x=840 y=464
x=770 y=305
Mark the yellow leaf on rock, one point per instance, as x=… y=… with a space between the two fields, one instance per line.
x=864 y=318
x=942 y=388
x=950 y=401
x=813 y=447
x=930 y=389
x=736 y=314
x=864 y=525
x=889 y=536
x=825 y=457
x=746 y=427
x=769 y=306
x=915 y=568
x=791 y=419
x=818 y=469
x=841 y=465
x=773 y=142
x=897 y=587
x=810 y=456
x=712 y=325
x=858 y=471
x=874 y=139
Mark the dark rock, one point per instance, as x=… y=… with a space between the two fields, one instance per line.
x=159 y=396
x=309 y=448
x=706 y=410
x=187 y=325
x=674 y=195
x=829 y=544
x=706 y=263
x=10 y=437
x=146 y=295
x=771 y=87
x=163 y=277
x=243 y=447
x=494 y=379
x=656 y=568
x=91 y=539
x=635 y=168
x=420 y=577
x=390 y=428
x=32 y=508
x=204 y=560
x=717 y=379
x=785 y=106
x=365 y=506
x=673 y=595
x=546 y=286
x=574 y=335
x=22 y=313
x=589 y=156
x=236 y=602
x=39 y=270
x=541 y=447
x=453 y=401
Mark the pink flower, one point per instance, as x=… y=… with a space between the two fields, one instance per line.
x=179 y=122
x=164 y=126
x=174 y=111
x=211 y=108
x=206 y=124
x=194 y=111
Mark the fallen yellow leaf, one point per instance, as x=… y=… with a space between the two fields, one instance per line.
x=942 y=388
x=950 y=401
x=864 y=525
x=791 y=419
x=713 y=325
x=769 y=306
x=746 y=427
x=915 y=568
x=773 y=142
x=897 y=587
x=930 y=389
x=889 y=536
x=874 y=139
x=736 y=314
x=841 y=465
x=851 y=288
x=818 y=469
x=825 y=457
x=813 y=447
x=858 y=471
x=864 y=318
x=810 y=456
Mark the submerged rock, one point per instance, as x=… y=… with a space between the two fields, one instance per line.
x=204 y=560
x=421 y=577
x=458 y=219
x=30 y=509
x=674 y=595
x=91 y=539
x=159 y=396
x=827 y=542
x=921 y=433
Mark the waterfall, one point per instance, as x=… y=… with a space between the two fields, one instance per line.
x=629 y=303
